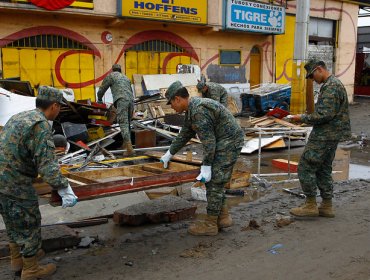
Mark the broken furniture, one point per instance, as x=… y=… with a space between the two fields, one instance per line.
x=112 y=181
x=99 y=183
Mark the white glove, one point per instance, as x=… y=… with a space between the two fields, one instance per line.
x=69 y=199
x=166 y=158
x=205 y=174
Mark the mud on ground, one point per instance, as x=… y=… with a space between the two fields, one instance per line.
x=316 y=248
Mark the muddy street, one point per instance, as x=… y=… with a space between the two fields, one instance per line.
x=264 y=242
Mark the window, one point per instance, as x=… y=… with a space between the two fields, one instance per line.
x=230 y=57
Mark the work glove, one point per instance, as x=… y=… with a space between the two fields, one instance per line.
x=69 y=199
x=205 y=174
x=166 y=158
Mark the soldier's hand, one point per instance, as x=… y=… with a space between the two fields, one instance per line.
x=69 y=199
x=166 y=158
x=205 y=174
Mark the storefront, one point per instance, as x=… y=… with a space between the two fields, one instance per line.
x=244 y=42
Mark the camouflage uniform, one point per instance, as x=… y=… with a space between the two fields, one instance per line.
x=123 y=100
x=331 y=124
x=215 y=92
x=26 y=150
x=222 y=140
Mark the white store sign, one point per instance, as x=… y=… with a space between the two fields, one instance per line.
x=255 y=17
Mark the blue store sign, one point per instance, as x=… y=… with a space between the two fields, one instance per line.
x=254 y=17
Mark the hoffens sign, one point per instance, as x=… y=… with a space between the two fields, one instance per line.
x=187 y=11
x=255 y=17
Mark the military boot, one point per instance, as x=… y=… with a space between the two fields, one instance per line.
x=129 y=149
x=224 y=220
x=16 y=262
x=206 y=227
x=32 y=270
x=326 y=209
x=308 y=209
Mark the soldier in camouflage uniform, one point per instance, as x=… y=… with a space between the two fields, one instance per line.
x=213 y=91
x=26 y=150
x=124 y=102
x=222 y=140
x=331 y=125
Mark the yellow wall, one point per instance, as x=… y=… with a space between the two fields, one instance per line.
x=284 y=51
x=204 y=42
x=37 y=66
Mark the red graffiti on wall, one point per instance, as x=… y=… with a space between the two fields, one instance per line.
x=52 y=4
x=328 y=9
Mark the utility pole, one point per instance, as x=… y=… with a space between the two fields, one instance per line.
x=298 y=97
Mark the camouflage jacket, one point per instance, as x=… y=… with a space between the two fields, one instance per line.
x=330 y=119
x=215 y=126
x=26 y=150
x=217 y=93
x=120 y=86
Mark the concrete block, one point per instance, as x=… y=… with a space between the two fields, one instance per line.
x=53 y=238
x=165 y=209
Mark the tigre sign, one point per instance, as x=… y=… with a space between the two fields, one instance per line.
x=254 y=17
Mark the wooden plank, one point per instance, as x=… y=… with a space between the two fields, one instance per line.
x=257 y=120
x=287 y=124
x=155 y=170
x=265 y=123
x=238 y=180
x=275 y=145
x=75 y=182
x=75 y=176
x=178 y=158
x=283 y=164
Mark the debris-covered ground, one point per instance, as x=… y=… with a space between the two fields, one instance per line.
x=264 y=242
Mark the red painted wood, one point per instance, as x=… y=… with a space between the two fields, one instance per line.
x=282 y=164
x=91 y=191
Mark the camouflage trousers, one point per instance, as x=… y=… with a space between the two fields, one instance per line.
x=22 y=220
x=222 y=169
x=315 y=168
x=125 y=110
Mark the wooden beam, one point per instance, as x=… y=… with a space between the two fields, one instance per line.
x=177 y=158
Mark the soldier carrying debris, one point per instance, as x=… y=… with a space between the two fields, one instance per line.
x=331 y=124
x=123 y=100
x=26 y=150
x=213 y=91
x=222 y=140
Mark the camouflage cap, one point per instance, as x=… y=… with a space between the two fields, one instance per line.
x=116 y=67
x=50 y=94
x=311 y=66
x=201 y=85
x=171 y=91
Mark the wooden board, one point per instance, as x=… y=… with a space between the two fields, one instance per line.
x=283 y=164
x=178 y=158
x=275 y=145
x=238 y=180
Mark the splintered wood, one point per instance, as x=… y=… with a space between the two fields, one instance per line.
x=269 y=141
